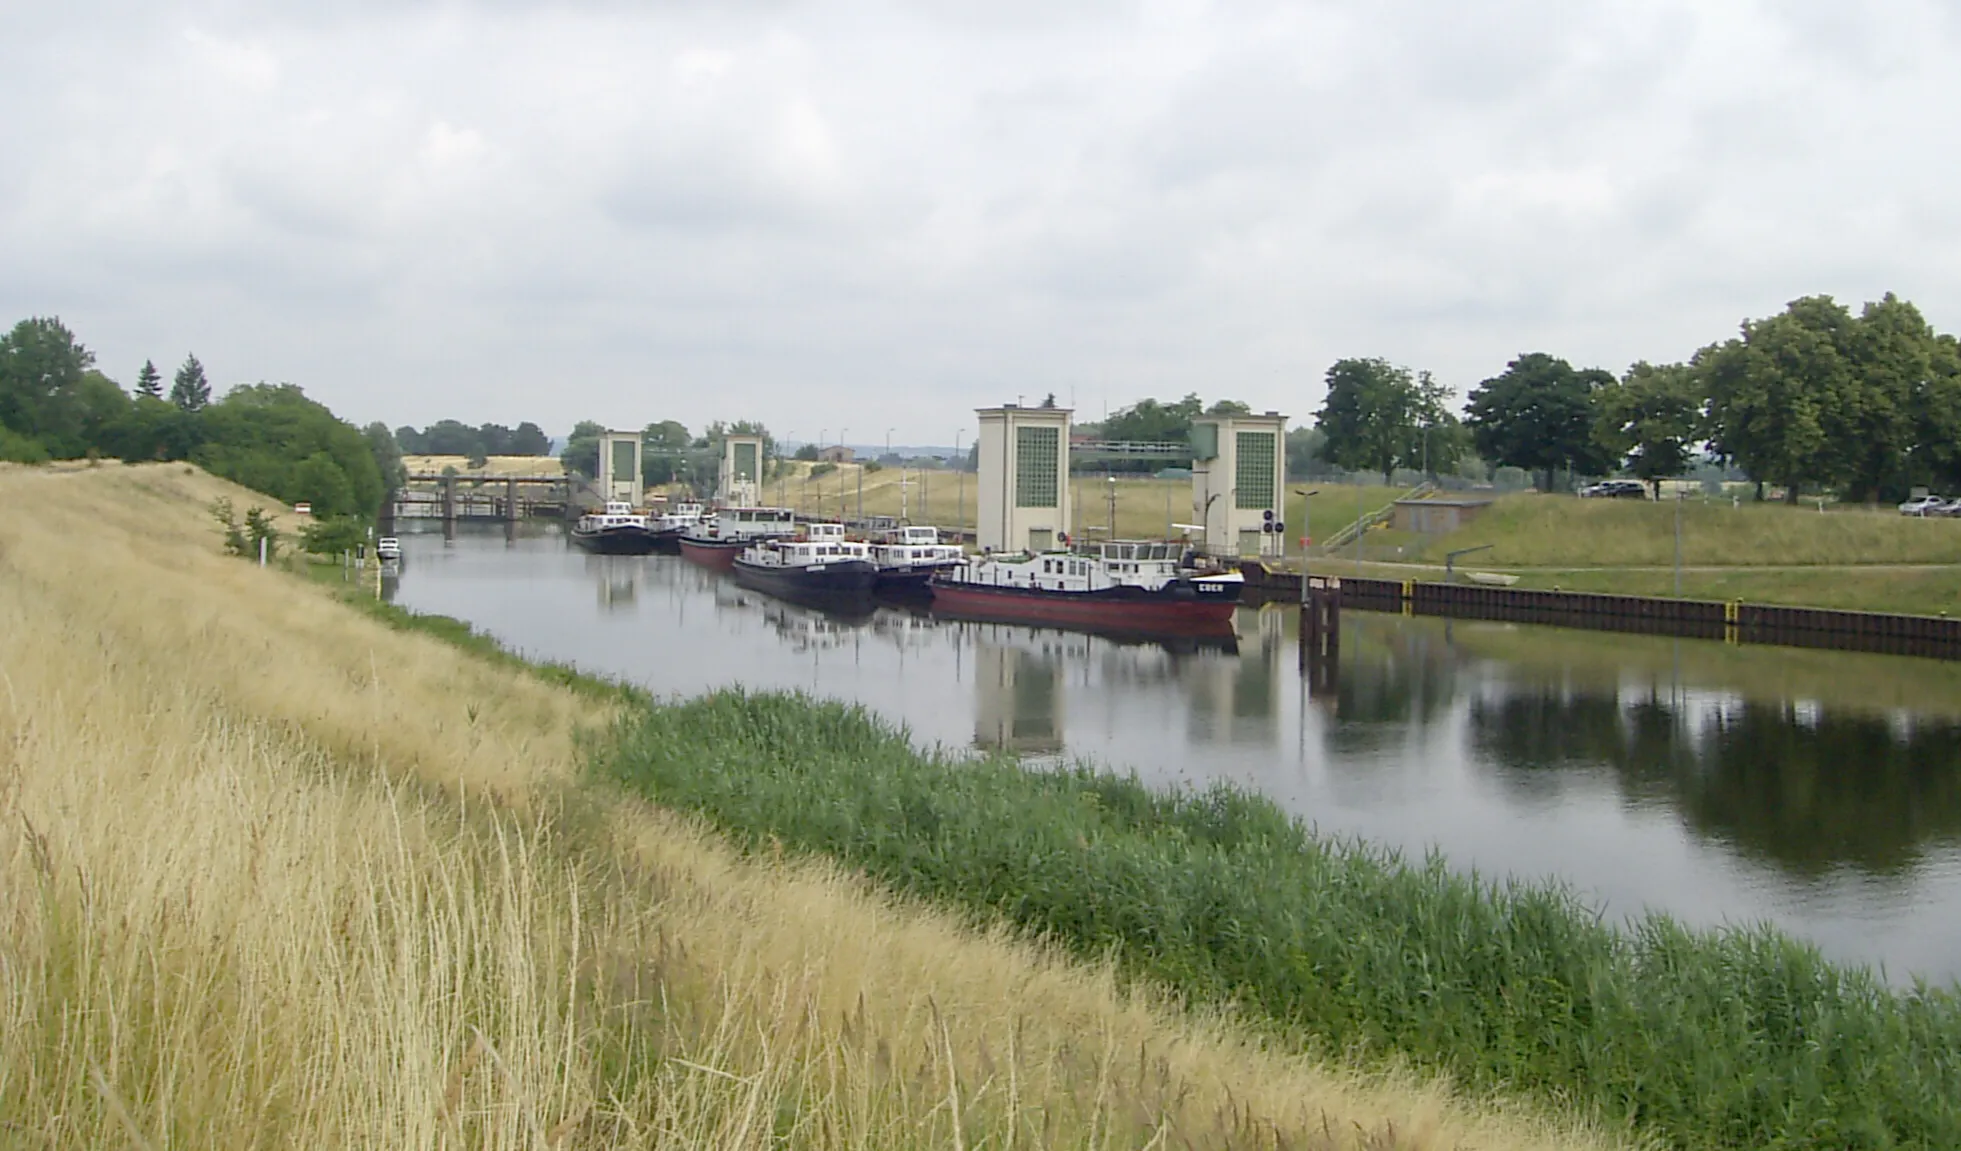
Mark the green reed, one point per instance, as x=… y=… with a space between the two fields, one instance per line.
x=1738 y=1037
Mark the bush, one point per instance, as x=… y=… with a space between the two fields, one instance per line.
x=823 y=469
x=333 y=535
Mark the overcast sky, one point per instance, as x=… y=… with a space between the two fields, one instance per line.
x=883 y=215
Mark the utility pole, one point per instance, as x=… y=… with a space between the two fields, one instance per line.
x=1678 y=543
x=1307 y=537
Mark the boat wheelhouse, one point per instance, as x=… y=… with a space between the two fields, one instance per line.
x=616 y=530
x=669 y=526
x=1145 y=585
x=716 y=538
x=908 y=557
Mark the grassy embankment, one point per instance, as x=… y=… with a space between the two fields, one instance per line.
x=275 y=873
x=1740 y=1038
x=1766 y=553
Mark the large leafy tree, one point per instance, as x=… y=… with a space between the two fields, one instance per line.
x=528 y=440
x=189 y=390
x=1148 y=421
x=272 y=438
x=1883 y=418
x=581 y=451
x=1648 y=421
x=1539 y=415
x=387 y=455
x=42 y=368
x=1381 y=417
x=666 y=444
x=1779 y=392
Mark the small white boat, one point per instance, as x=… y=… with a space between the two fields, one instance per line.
x=908 y=557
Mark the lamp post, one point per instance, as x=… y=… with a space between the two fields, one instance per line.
x=842 y=432
x=782 y=473
x=1307 y=536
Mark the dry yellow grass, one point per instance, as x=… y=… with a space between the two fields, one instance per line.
x=494 y=466
x=273 y=875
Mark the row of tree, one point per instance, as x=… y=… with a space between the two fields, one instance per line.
x=669 y=452
x=54 y=403
x=455 y=438
x=1865 y=406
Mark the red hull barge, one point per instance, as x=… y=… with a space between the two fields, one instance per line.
x=1123 y=609
x=717 y=554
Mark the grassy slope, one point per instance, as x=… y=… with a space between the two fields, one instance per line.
x=1737 y=1038
x=1765 y=553
x=275 y=874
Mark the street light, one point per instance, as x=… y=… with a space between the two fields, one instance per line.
x=960 y=480
x=1307 y=536
x=842 y=432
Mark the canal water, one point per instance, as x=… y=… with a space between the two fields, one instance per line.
x=1721 y=784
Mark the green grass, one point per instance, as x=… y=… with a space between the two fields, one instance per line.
x=1530 y=530
x=1734 y=1038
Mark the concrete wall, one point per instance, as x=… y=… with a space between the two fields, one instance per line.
x=619 y=467
x=1217 y=496
x=1434 y=517
x=1007 y=518
x=739 y=482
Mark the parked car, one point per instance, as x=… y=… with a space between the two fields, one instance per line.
x=1923 y=506
x=1951 y=509
x=1615 y=490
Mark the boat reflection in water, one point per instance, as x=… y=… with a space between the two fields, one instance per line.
x=617 y=580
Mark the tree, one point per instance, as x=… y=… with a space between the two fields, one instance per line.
x=581 y=452
x=272 y=438
x=1149 y=421
x=190 y=391
x=1771 y=391
x=1378 y=416
x=1229 y=408
x=807 y=452
x=664 y=445
x=1048 y=401
x=1304 y=448
x=1539 y=415
x=387 y=456
x=452 y=438
x=410 y=441
x=529 y=440
x=1648 y=420
x=149 y=382
x=41 y=371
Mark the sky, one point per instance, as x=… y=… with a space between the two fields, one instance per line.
x=879 y=216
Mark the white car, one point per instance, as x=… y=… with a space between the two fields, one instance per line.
x=1923 y=505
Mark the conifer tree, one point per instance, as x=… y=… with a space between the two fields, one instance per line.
x=190 y=392
x=149 y=382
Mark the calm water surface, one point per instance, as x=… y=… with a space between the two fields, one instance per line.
x=1720 y=784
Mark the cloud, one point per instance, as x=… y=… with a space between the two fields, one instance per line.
x=514 y=210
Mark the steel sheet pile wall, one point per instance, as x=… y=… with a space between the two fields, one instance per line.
x=1937 y=637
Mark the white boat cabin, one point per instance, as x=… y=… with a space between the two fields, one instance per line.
x=618 y=514
x=749 y=523
x=682 y=516
x=1117 y=563
x=804 y=553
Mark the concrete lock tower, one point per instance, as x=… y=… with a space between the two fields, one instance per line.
x=741 y=477
x=1239 y=479
x=619 y=467
x=1024 y=478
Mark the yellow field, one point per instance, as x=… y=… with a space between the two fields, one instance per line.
x=495 y=467
x=274 y=875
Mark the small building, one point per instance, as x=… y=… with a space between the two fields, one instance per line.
x=1023 y=478
x=1239 y=480
x=619 y=467
x=836 y=454
x=1437 y=515
x=739 y=482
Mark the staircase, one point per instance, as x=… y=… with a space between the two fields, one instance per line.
x=1347 y=535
